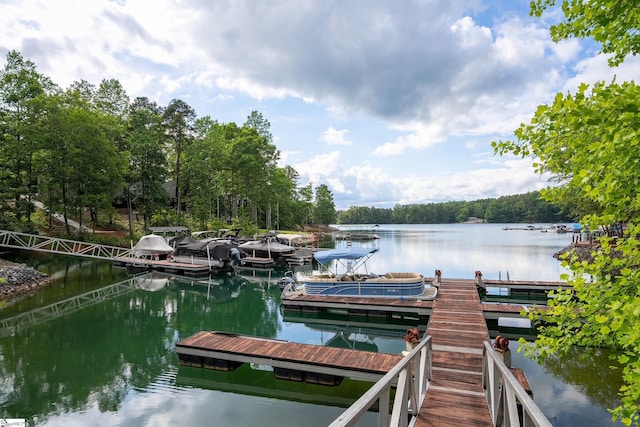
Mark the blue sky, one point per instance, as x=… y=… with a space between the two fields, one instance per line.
x=384 y=101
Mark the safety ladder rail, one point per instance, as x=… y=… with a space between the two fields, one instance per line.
x=504 y=393
x=411 y=377
x=34 y=242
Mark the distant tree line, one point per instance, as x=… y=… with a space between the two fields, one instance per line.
x=76 y=149
x=522 y=208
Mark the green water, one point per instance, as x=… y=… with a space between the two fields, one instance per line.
x=87 y=365
x=110 y=360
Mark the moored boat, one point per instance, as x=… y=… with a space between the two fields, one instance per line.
x=356 y=283
x=220 y=255
x=152 y=247
x=269 y=249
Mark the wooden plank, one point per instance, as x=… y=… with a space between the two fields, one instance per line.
x=241 y=348
x=450 y=408
x=458 y=331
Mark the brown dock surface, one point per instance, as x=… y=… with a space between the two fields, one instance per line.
x=283 y=353
x=455 y=396
x=164 y=266
x=358 y=305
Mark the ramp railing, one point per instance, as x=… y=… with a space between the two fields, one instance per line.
x=509 y=404
x=411 y=377
x=34 y=242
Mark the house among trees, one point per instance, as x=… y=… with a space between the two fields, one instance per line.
x=474 y=220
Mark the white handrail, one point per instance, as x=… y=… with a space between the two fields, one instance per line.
x=412 y=376
x=504 y=393
x=34 y=242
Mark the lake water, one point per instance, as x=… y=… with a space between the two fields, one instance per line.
x=105 y=356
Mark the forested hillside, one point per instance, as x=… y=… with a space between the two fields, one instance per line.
x=523 y=208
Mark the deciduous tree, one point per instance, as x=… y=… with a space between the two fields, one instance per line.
x=22 y=90
x=179 y=120
x=589 y=142
x=147 y=170
x=613 y=24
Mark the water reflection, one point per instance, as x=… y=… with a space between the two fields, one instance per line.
x=113 y=362
x=574 y=390
x=461 y=249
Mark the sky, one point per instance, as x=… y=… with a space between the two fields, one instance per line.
x=386 y=102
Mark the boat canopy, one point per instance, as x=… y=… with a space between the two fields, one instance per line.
x=323 y=257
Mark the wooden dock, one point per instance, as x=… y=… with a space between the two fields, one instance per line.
x=382 y=307
x=293 y=361
x=163 y=266
x=458 y=330
x=358 y=306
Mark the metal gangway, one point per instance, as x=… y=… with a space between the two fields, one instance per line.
x=34 y=242
x=11 y=325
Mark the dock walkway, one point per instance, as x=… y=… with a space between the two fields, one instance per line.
x=458 y=332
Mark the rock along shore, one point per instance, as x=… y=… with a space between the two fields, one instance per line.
x=20 y=280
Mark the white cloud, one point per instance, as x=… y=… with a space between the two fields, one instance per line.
x=437 y=80
x=425 y=135
x=596 y=68
x=471 y=35
x=319 y=167
x=333 y=136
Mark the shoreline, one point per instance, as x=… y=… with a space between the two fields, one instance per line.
x=20 y=280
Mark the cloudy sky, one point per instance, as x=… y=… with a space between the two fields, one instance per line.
x=384 y=101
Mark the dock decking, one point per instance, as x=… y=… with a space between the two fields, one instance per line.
x=458 y=332
x=381 y=307
x=165 y=266
x=205 y=348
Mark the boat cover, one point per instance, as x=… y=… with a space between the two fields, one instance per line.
x=216 y=249
x=324 y=257
x=152 y=244
x=267 y=246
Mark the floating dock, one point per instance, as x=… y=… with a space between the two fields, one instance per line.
x=291 y=361
x=457 y=327
x=163 y=266
x=358 y=306
x=387 y=307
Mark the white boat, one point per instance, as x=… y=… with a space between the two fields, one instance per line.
x=556 y=228
x=152 y=246
x=353 y=282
